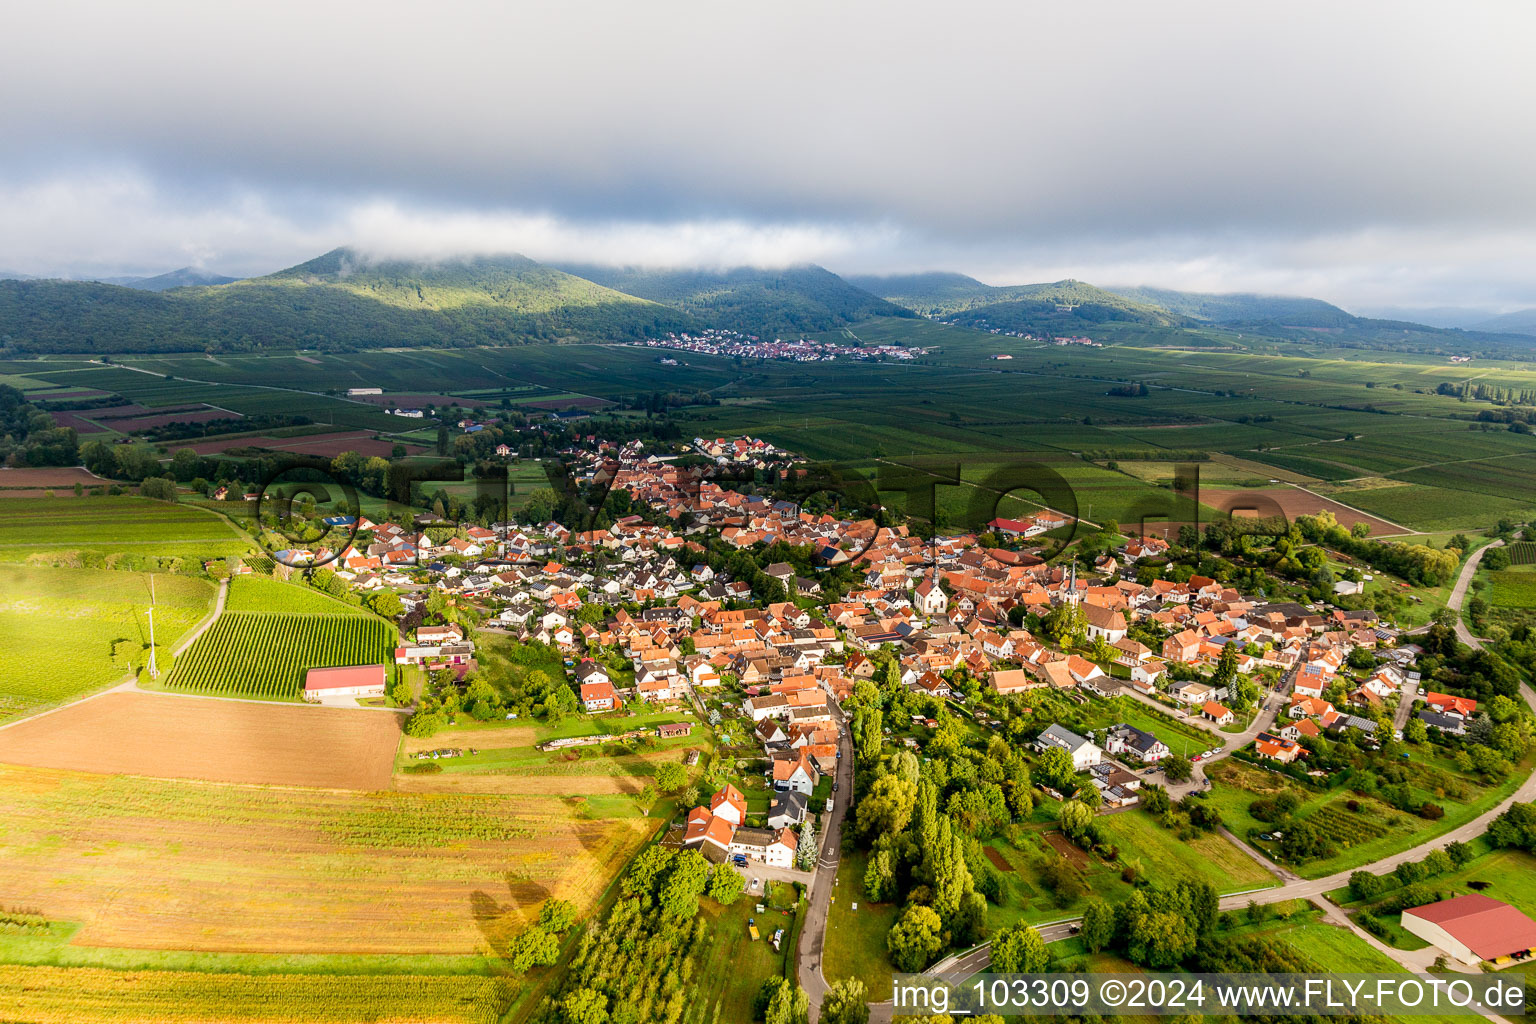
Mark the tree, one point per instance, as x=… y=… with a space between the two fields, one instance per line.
x=158 y=487
x=1054 y=768
x=1075 y=818
x=585 y=1006
x=386 y=603
x=1515 y=828
x=670 y=776
x=952 y=881
x=536 y=947
x=1177 y=768
x=789 y=1005
x=880 y=877
x=1160 y=940
x=846 y=1003
x=1415 y=731
x=915 y=939
x=726 y=885
x=424 y=724
x=680 y=893
x=1018 y=949
x=1098 y=927
x=805 y=846
x=887 y=808
x=556 y=916
x=559 y=703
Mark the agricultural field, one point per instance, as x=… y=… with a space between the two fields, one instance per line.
x=1423 y=507
x=1374 y=831
x=171 y=736
x=252 y=593
x=197 y=866
x=1513 y=588
x=59 y=478
x=507 y=760
x=59 y=995
x=70 y=631
x=1263 y=410
x=71 y=530
x=265 y=655
x=1142 y=843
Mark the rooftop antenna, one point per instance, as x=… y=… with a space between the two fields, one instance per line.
x=154 y=672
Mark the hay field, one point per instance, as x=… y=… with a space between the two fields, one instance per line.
x=176 y=865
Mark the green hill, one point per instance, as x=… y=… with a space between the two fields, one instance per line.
x=337 y=301
x=1241 y=307
x=792 y=300
x=1519 y=322
x=930 y=294
x=1058 y=306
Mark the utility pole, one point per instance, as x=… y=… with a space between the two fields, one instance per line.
x=154 y=672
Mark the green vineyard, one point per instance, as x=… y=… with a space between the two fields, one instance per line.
x=265 y=655
x=1522 y=553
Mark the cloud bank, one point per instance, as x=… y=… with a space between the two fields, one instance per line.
x=1367 y=153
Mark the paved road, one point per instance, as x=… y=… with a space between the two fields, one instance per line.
x=1459 y=593
x=808 y=958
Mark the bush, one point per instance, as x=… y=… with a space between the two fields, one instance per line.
x=1431 y=811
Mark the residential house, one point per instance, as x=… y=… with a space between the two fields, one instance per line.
x=1124 y=740
x=1084 y=752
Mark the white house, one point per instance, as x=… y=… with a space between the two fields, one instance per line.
x=1084 y=752
x=765 y=846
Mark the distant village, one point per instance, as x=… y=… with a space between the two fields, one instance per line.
x=799 y=350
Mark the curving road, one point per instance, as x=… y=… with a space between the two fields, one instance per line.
x=1459 y=594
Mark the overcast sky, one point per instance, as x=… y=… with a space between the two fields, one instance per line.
x=1366 y=152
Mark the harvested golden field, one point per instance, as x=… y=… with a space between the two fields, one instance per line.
x=168 y=864
x=182 y=737
x=88 y=995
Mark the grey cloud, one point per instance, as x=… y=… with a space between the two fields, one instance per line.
x=1211 y=142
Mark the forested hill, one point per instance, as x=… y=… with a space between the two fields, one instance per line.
x=780 y=302
x=1058 y=306
x=337 y=301
x=1236 y=307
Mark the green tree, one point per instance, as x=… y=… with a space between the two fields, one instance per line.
x=680 y=893
x=1177 y=768
x=726 y=885
x=1075 y=818
x=887 y=808
x=584 y=1006
x=670 y=776
x=846 y=1003
x=789 y=1005
x=1054 y=768
x=1159 y=940
x=1098 y=927
x=1018 y=949
x=915 y=939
